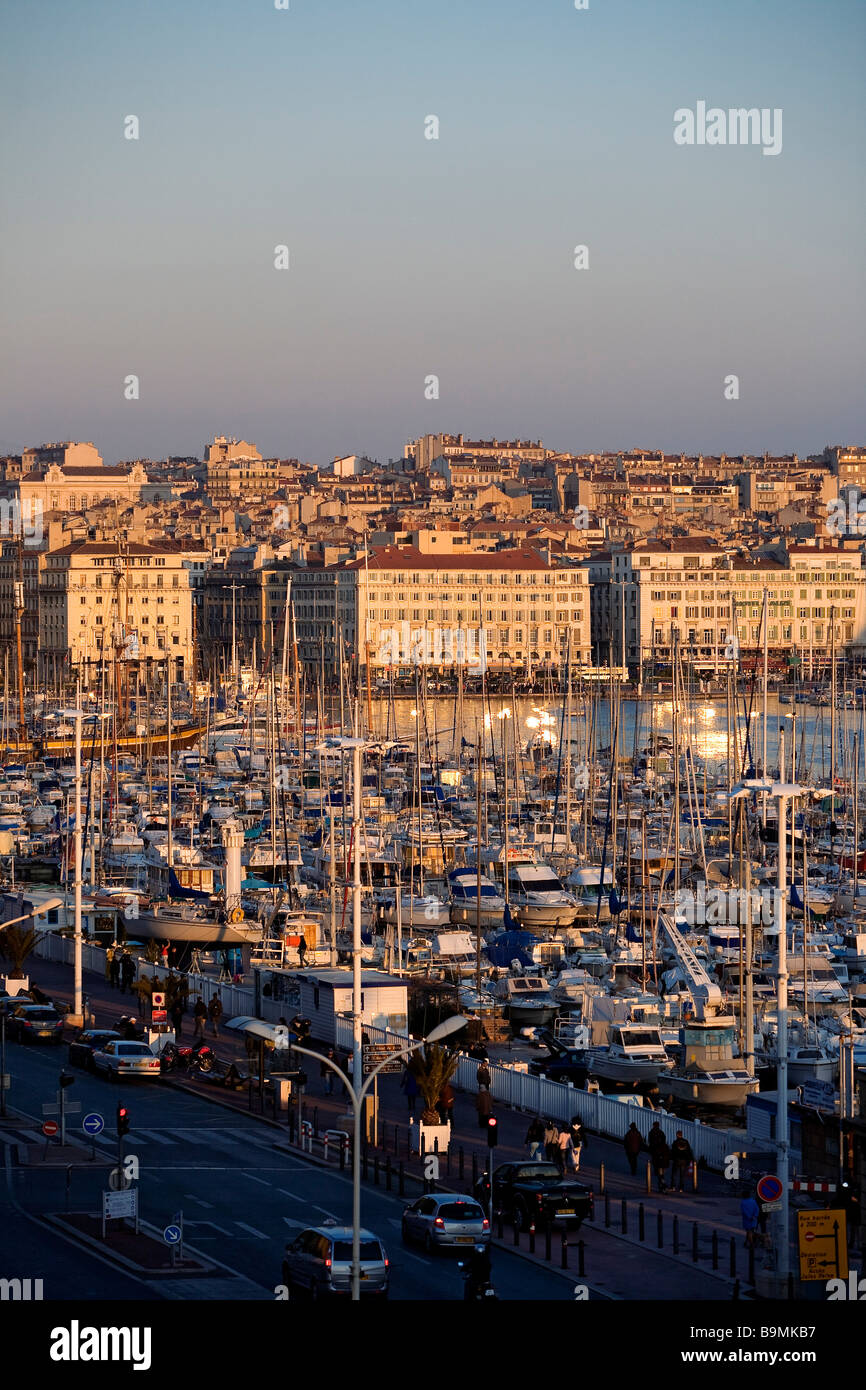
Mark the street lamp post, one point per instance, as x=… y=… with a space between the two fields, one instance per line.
x=78 y=970
x=357 y=1091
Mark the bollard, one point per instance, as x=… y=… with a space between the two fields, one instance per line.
x=448 y=1161
x=624 y=1217
x=791 y=1287
x=751 y=1264
x=715 y=1249
x=733 y=1266
x=660 y=1229
x=736 y=1293
x=601 y=1177
x=388 y=1173
x=516 y=1229
x=316 y=1120
x=500 y=1225
x=649 y=1177
x=676 y=1235
x=606 y=1210
x=548 y=1233
x=342 y=1157
x=563 y=1264
x=694 y=1242
x=409 y=1144
x=376 y=1170
x=401 y=1180
x=581 y=1252
x=460 y=1158
x=641 y=1229
x=695 y=1175
x=365 y=1162
x=532 y=1237
x=474 y=1171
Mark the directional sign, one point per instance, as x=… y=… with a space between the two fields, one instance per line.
x=769 y=1188
x=119 y=1204
x=822 y=1239
x=93 y=1123
x=820 y=1095
x=374 y=1053
x=171 y=1235
x=50 y=1128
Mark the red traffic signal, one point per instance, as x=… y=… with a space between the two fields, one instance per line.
x=122 y=1120
x=492 y=1132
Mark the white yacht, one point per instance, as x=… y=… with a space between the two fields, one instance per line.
x=635 y=1053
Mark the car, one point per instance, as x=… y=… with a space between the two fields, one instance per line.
x=444 y=1221
x=35 y=1023
x=537 y=1193
x=122 y=1058
x=561 y=1063
x=82 y=1048
x=318 y=1263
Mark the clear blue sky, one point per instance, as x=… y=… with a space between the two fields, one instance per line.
x=411 y=257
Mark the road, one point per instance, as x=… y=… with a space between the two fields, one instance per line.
x=242 y=1194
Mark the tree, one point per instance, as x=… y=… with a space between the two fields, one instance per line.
x=432 y=1068
x=16 y=944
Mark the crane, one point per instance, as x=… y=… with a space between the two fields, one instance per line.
x=705 y=993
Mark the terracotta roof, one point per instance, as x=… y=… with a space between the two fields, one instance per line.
x=409 y=557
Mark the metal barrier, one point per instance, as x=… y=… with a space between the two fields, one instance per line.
x=306 y=1136
x=335 y=1136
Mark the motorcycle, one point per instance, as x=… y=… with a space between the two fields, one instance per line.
x=477 y=1287
x=186 y=1058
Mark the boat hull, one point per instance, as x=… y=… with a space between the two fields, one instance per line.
x=714 y=1092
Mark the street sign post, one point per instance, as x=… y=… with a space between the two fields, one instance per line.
x=822 y=1240
x=173 y=1236
x=92 y=1123
x=50 y=1128
x=374 y=1053
x=117 y=1206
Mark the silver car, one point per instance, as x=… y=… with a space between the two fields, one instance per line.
x=445 y=1221
x=122 y=1059
x=318 y=1263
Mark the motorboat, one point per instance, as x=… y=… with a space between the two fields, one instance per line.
x=710 y=1074
x=536 y=895
x=527 y=999
x=465 y=899
x=635 y=1053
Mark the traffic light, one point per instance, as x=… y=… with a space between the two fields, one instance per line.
x=122 y=1121
x=492 y=1132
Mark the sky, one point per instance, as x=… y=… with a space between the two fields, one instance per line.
x=410 y=257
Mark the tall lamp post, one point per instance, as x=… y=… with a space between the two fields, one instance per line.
x=49 y=905
x=358 y=1089
x=78 y=988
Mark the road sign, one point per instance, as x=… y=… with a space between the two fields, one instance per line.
x=50 y=1128
x=157 y=999
x=374 y=1053
x=171 y=1235
x=769 y=1188
x=820 y=1095
x=822 y=1239
x=158 y=1015
x=93 y=1123
x=119 y=1204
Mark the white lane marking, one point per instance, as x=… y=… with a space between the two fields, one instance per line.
x=264 y=1182
x=214 y=1227
x=154 y=1134
x=221 y=1141
x=190 y=1197
x=252 y=1230
x=325 y=1211
x=294 y=1196
x=290 y=1221
x=410 y=1256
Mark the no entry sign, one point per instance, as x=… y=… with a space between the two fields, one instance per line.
x=50 y=1128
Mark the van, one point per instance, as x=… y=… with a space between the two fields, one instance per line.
x=318 y=1264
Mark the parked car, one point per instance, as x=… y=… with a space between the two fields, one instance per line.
x=445 y=1222
x=82 y=1048
x=536 y=1192
x=561 y=1063
x=121 y=1058
x=318 y=1263
x=35 y=1023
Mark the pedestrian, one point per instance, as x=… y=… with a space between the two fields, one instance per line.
x=302 y=950
x=750 y=1214
x=483 y=1107
x=632 y=1143
x=128 y=971
x=327 y=1073
x=199 y=1014
x=578 y=1140
x=215 y=1013
x=109 y=957
x=114 y=969
x=681 y=1160
x=177 y=1012
x=482 y=1075
x=163 y=955
x=551 y=1142
x=535 y=1138
x=566 y=1161
x=409 y=1086
x=850 y=1198
x=445 y=1104
x=660 y=1154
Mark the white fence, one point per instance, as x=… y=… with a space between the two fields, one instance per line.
x=556 y=1101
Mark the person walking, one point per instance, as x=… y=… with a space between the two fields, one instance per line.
x=750 y=1214
x=566 y=1161
x=199 y=1015
x=483 y=1107
x=409 y=1087
x=114 y=968
x=127 y=972
x=302 y=951
x=660 y=1154
x=578 y=1140
x=482 y=1075
x=632 y=1143
x=551 y=1142
x=327 y=1073
x=535 y=1138
x=445 y=1104
x=681 y=1160
x=215 y=1013
x=177 y=1013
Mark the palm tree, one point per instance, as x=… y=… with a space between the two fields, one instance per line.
x=16 y=944
x=432 y=1068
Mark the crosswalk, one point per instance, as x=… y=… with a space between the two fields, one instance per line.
x=223 y=1141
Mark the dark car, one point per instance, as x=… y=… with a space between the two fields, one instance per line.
x=536 y=1193
x=35 y=1023
x=566 y=1064
x=82 y=1048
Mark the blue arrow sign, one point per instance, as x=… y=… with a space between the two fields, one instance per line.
x=171 y=1235
x=93 y=1123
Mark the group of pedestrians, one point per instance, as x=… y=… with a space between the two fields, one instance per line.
x=678 y=1155
x=120 y=969
x=561 y=1144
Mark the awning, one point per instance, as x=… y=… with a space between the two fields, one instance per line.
x=276 y=1033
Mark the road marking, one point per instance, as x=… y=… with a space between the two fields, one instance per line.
x=290 y=1221
x=230 y=1235
x=325 y=1212
x=154 y=1134
x=417 y=1258
x=252 y=1230
x=294 y=1196
x=221 y=1141
x=264 y=1182
x=190 y=1197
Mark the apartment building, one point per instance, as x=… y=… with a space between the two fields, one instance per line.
x=400 y=606
x=693 y=594
x=67 y=478
x=243 y=605
x=99 y=598
x=427 y=447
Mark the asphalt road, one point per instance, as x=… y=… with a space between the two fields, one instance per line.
x=242 y=1196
